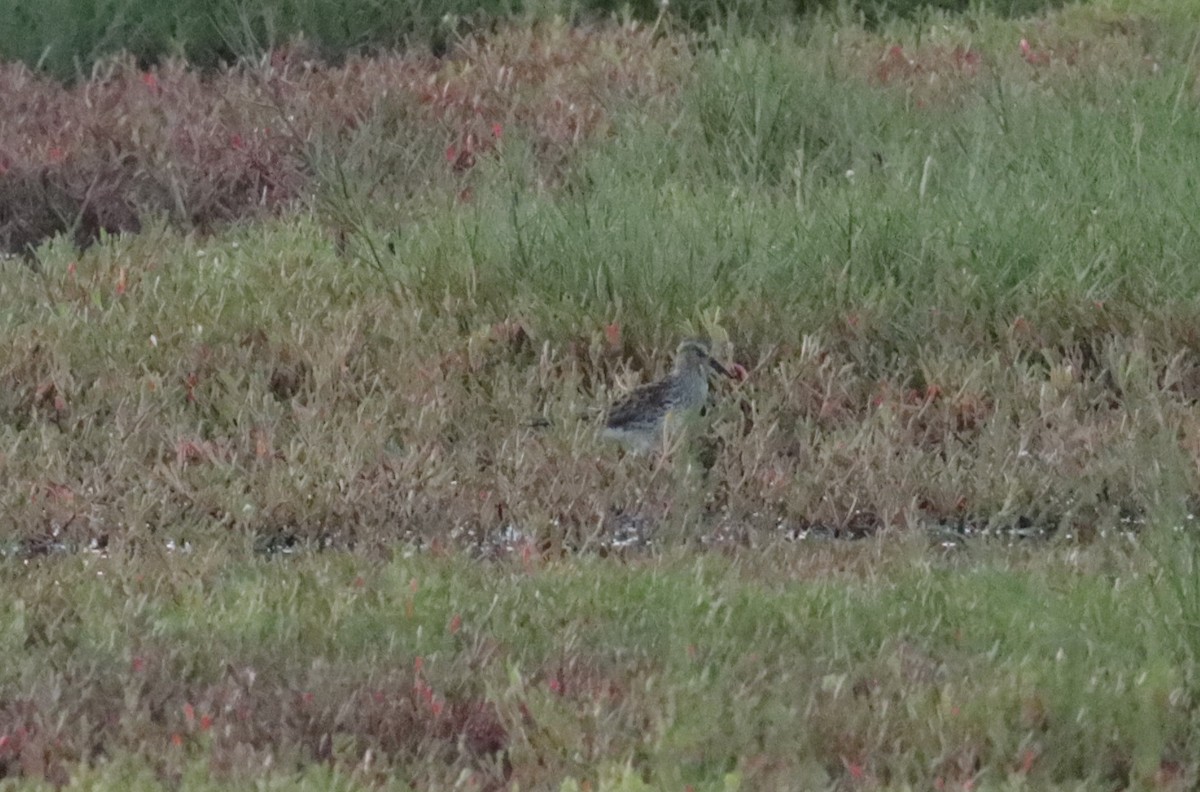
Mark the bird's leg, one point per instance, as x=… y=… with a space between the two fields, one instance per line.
x=664 y=448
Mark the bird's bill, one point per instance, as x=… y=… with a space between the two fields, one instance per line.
x=719 y=368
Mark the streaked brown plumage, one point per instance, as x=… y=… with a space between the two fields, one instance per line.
x=638 y=420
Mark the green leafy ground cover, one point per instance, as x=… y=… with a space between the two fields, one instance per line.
x=878 y=664
x=301 y=477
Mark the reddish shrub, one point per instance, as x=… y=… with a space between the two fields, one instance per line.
x=99 y=156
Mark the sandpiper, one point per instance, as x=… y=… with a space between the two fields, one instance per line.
x=638 y=420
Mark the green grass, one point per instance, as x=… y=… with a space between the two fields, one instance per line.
x=962 y=280
x=1028 y=668
x=69 y=38
x=1015 y=236
x=355 y=525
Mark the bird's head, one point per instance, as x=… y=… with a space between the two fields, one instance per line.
x=694 y=354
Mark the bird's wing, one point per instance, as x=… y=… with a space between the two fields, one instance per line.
x=645 y=402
